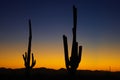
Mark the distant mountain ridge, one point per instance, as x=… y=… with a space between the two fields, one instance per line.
x=52 y=74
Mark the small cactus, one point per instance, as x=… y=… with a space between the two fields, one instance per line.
x=27 y=55
x=73 y=62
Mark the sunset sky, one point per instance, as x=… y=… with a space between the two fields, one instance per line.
x=98 y=31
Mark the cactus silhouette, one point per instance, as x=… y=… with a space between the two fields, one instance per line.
x=27 y=55
x=73 y=62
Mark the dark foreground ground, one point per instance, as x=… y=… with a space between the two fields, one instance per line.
x=61 y=74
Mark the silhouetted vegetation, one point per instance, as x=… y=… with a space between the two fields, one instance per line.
x=73 y=62
x=27 y=55
x=61 y=74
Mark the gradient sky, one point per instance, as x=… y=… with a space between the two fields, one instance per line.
x=98 y=31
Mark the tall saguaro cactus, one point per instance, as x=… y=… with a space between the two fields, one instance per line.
x=73 y=62
x=27 y=55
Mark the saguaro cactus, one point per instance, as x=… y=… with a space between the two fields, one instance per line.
x=27 y=55
x=73 y=62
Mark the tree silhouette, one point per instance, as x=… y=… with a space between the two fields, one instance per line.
x=27 y=55
x=73 y=62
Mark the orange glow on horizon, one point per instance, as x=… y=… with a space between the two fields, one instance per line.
x=101 y=58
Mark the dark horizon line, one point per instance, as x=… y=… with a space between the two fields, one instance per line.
x=1 y=68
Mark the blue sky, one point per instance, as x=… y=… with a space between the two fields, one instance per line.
x=52 y=17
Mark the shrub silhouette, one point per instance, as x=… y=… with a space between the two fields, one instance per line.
x=73 y=62
x=27 y=55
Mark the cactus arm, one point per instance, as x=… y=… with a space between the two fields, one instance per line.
x=25 y=59
x=67 y=62
x=33 y=61
x=80 y=53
